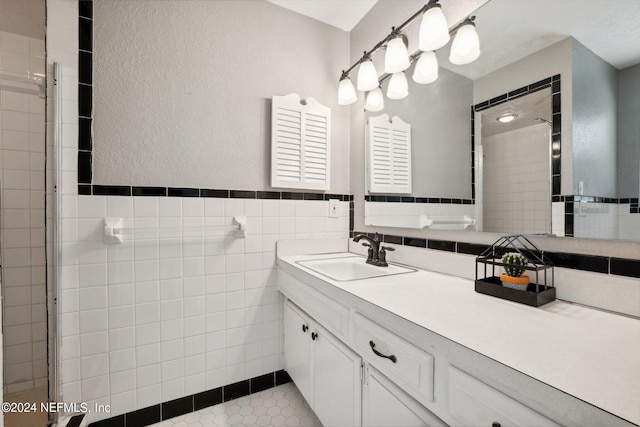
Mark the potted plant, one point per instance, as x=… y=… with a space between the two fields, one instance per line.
x=514 y=266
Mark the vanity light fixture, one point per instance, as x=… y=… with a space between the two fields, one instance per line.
x=434 y=30
x=466 y=44
x=367 y=74
x=396 y=58
x=398 y=87
x=426 y=69
x=346 y=92
x=375 y=101
x=506 y=118
x=434 y=34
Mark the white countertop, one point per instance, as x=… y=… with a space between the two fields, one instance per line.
x=590 y=354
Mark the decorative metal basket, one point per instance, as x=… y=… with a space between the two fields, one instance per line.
x=538 y=292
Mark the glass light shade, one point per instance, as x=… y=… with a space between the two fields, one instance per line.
x=396 y=58
x=398 y=87
x=367 y=76
x=426 y=69
x=346 y=92
x=434 y=30
x=466 y=45
x=375 y=101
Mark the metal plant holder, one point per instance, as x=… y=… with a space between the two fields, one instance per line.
x=539 y=291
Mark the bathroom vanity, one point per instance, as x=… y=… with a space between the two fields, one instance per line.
x=412 y=347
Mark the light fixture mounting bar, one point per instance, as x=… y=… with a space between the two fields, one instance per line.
x=394 y=31
x=414 y=57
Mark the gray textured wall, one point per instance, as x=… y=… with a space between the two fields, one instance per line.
x=183 y=90
x=629 y=132
x=595 y=100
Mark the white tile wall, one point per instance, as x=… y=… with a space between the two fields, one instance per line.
x=408 y=215
x=628 y=224
x=22 y=163
x=176 y=313
x=597 y=220
x=557 y=218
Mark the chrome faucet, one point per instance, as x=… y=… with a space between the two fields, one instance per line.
x=377 y=254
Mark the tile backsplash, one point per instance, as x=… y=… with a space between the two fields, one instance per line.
x=174 y=313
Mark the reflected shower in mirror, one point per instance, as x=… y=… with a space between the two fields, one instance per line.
x=514 y=162
x=578 y=58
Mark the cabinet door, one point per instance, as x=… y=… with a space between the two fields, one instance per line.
x=297 y=349
x=385 y=404
x=337 y=386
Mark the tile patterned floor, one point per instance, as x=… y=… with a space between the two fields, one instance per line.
x=278 y=406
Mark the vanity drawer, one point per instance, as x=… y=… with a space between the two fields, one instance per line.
x=473 y=402
x=405 y=364
x=331 y=314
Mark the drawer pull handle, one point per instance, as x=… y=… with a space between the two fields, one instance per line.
x=314 y=336
x=495 y=424
x=304 y=328
x=393 y=358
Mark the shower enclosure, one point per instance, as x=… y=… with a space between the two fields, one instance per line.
x=25 y=212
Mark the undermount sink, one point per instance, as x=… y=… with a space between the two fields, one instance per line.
x=351 y=268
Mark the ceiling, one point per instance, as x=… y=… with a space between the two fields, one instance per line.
x=513 y=29
x=343 y=14
x=528 y=109
x=23 y=17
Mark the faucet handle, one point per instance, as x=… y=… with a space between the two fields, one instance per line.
x=382 y=255
x=369 y=252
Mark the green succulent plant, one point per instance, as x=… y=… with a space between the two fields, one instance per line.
x=514 y=264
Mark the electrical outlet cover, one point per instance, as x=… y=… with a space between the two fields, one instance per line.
x=333 y=208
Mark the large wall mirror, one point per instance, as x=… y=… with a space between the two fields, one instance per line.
x=569 y=161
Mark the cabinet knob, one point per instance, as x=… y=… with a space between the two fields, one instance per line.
x=314 y=336
x=304 y=328
x=495 y=424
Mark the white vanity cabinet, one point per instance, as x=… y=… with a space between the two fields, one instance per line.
x=359 y=364
x=326 y=371
x=385 y=404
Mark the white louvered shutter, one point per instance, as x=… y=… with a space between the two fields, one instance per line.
x=389 y=155
x=300 y=143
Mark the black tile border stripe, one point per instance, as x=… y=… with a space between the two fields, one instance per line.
x=187 y=404
x=571 y=199
x=624 y=267
x=144 y=191
x=592 y=263
x=85 y=94
x=441 y=245
x=407 y=199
